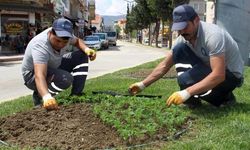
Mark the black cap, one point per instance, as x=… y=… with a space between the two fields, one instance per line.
x=181 y=15
x=63 y=27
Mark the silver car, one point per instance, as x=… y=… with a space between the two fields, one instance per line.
x=103 y=38
x=93 y=42
x=112 y=37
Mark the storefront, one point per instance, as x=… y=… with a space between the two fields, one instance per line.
x=20 y=22
x=11 y=26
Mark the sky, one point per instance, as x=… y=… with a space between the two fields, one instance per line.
x=111 y=7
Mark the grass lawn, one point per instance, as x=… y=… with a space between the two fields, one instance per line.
x=135 y=117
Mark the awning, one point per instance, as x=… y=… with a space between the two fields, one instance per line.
x=27 y=8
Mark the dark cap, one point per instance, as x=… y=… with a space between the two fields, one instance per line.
x=63 y=27
x=181 y=15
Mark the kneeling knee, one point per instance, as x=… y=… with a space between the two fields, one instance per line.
x=60 y=82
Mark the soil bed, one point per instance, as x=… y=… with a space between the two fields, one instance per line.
x=71 y=127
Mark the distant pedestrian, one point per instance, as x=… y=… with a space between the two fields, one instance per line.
x=19 y=43
x=29 y=37
x=7 y=38
x=207 y=60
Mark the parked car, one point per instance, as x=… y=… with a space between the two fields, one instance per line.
x=112 y=37
x=104 y=39
x=93 y=42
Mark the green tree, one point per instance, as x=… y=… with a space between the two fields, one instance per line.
x=146 y=12
x=160 y=11
x=179 y=2
x=140 y=17
x=128 y=27
x=142 y=14
x=118 y=30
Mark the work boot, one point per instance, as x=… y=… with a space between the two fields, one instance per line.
x=193 y=103
x=229 y=100
x=37 y=100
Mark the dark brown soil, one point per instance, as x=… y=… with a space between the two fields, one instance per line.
x=72 y=127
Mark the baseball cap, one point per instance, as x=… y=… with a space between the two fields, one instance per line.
x=63 y=27
x=181 y=15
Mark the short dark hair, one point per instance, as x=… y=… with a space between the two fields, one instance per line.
x=64 y=38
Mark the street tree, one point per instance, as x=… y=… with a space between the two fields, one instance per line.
x=117 y=29
x=179 y=2
x=128 y=27
x=147 y=12
x=160 y=11
x=141 y=16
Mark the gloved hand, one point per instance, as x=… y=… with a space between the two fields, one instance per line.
x=178 y=98
x=49 y=102
x=136 y=88
x=91 y=53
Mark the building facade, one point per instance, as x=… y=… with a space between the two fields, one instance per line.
x=210 y=11
x=29 y=17
x=97 y=23
x=21 y=17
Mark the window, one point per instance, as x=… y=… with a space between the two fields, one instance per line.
x=196 y=7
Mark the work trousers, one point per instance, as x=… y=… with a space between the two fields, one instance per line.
x=190 y=70
x=72 y=71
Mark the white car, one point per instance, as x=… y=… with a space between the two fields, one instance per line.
x=104 y=39
x=93 y=42
x=112 y=37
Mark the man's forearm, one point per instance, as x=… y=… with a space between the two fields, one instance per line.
x=41 y=85
x=160 y=70
x=216 y=77
x=206 y=84
x=80 y=44
x=156 y=74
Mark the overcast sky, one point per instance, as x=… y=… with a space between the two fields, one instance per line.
x=111 y=7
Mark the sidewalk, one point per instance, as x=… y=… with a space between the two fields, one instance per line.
x=7 y=58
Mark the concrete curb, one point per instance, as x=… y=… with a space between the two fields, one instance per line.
x=11 y=58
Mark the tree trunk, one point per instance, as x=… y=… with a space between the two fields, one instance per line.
x=157 y=29
x=170 y=40
x=149 y=35
x=162 y=30
x=141 y=37
x=153 y=35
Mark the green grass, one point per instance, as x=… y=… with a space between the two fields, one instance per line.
x=133 y=117
x=12 y=107
x=224 y=128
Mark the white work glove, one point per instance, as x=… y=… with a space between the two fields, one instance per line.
x=49 y=102
x=178 y=98
x=91 y=53
x=136 y=88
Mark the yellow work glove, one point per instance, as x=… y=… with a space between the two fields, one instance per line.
x=49 y=102
x=178 y=98
x=136 y=88
x=91 y=53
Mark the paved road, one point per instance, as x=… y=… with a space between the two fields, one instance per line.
x=124 y=55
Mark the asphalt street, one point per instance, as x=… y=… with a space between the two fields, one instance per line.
x=124 y=55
